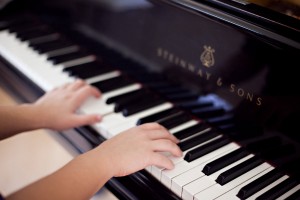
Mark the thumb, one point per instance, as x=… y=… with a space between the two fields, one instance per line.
x=81 y=120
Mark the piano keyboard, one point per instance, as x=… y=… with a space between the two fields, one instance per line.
x=213 y=166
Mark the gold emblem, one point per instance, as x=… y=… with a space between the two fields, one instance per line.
x=207 y=57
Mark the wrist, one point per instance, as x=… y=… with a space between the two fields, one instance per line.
x=100 y=164
x=33 y=116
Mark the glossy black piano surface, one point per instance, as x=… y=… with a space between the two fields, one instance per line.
x=230 y=64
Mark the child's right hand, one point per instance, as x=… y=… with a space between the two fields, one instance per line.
x=137 y=148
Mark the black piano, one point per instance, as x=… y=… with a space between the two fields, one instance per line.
x=221 y=75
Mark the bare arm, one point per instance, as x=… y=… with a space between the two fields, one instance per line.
x=81 y=178
x=124 y=154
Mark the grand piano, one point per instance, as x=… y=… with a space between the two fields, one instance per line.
x=221 y=75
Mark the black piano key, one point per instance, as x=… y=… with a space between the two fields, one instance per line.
x=159 y=84
x=68 y=57
x=172 y=90
x=205 y=149
x=147 y=76
x=229 y=129
x=259 y=184
x=238 y=170
x=209 y=112
x=139 y=97
x=130 y=110
x=120 y=97
x=279 y=189
x=198 y=139
x=6 y=23
x=221 y=120
x=35 y=33
x=21 y=26
x=201 y=126
x=294 y=196
x=88 y=70
x=51 y=45
x=157 y=116
x=175 y=120
x=224 y=161
x=196 y=104
x=112 y=83
x=186 y=96
x=15 y=20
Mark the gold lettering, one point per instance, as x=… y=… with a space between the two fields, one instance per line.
x=182 y=63
x=240 y=92
x=171 y=58
x=177 y=60
x=200 y=73
x=249 y=97
x=259 y=101
x=208 y=75
x=165 y=54
x=219 y=82
x=191 y=67
x=159 y=52
x=232 y=88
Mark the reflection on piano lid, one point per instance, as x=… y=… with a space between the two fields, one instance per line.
x=288 y=7
x=219 y=75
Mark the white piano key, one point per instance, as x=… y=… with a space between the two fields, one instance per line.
x=181 y=167
x=184 y=126
x=177 y=160
x=98 y=106
x=78 y=61
x=217 y=190
x=148 y=168
x=117 y=119
x=103 y=77
x=62 y=51
x=204 y=182
x=131 y=121
x=157 y=171
x=124 y=123
x=196 y=173
x=29 y=63
x=232 y=193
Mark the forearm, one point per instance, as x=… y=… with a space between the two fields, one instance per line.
x=18 y=118
x=78 y=180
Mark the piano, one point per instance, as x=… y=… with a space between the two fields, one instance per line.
x=221 y=75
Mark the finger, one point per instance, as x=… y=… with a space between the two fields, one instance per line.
x=152 y=126
x=76 y=85
x=64 y=86
x=81 y=120
x=161 y=134
x=164 y=145
x=161 y=161
x=84 y=92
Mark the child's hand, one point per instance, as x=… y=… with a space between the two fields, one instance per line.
x=137 y=148
x=57 y=108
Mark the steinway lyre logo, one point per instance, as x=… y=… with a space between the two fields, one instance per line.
x=207 y=56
